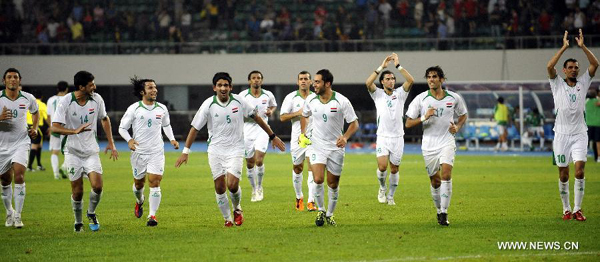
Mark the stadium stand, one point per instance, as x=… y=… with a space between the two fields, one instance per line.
x=161 y=26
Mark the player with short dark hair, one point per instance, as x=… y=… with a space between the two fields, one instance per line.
x=437 y=108
x=224 y=115
x=62 y=89
x=15 y=140
x=76 y=118
x=571 y=139
x=327 y=110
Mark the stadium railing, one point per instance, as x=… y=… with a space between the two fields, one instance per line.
x=236 y=47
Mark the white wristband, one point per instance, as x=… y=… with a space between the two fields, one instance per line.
x=186 y=150
x=422 y=120
x=400 y=67
x=378 y=70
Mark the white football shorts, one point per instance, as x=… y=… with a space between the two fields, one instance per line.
x=147 y=163
x=393 y=147
x=221 y=165
x=569 y=148
x=434 y=159
x=77 y=166
x=333 y=159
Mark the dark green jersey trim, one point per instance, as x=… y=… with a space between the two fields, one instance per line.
x=74 y=99
x=250 y=93
x=332 y=98
x=20 y=95
x=140 y=104
x=63 y=143
x=231 y=98
x=445 y=95
x=298 y=93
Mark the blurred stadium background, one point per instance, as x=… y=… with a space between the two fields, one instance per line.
x=487 y=48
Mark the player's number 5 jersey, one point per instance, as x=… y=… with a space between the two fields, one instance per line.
x=225 y=124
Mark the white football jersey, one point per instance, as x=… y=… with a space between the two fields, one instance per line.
x=569 y=104
x=225 y=124
x=292 y=103
x=147 y=122
x=390 y=110
x=72 y=116
x=327 y=119
x=435 y=129
x=14 y=131
x=261 y=104
x=52 y=103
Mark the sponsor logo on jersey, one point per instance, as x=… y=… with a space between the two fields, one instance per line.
x=22 y=106
x=334 y=109
x=91 y=111
x=234 y=110
x=449 y=104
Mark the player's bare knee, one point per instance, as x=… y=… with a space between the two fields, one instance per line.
x=250 y=163
x=298 y=169
x=436 y=181
x=381 y=168
x=579 y=173
x=393 y=169
x=6 y=179
x=77 y=193
x=220 y=185
x=233 y=187
x=318 y=180
x=77 y=196
x=446 y=176
x=563 y=174
x=332 y=180
x=97 y=189
x=139 y=184
x=154 y=183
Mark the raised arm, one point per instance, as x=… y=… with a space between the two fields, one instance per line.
x=590 y=56
x=371 y=79
x=554 y=59
x=409 y=78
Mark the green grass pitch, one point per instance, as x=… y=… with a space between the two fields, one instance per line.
x=495 y=199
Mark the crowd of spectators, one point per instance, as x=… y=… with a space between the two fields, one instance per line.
x=52 y=21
